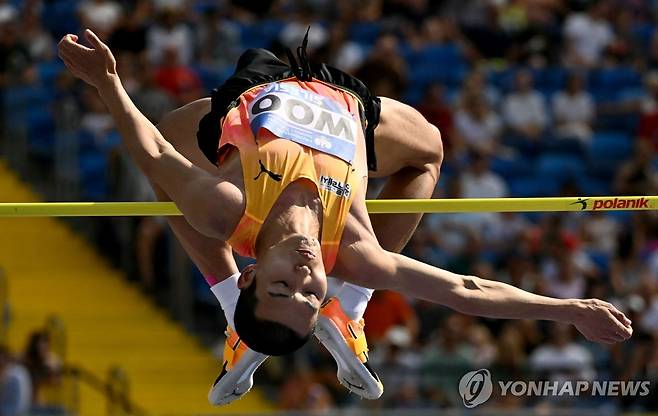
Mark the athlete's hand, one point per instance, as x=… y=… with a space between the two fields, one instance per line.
x=600 y=321
x=96 y=67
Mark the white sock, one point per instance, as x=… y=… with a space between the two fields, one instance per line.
x=354 y=300
x=227 y=294
x=334 y=286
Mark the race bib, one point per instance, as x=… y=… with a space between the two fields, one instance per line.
x=306 y=118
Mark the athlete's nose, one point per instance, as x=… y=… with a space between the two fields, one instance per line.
x=303 y=270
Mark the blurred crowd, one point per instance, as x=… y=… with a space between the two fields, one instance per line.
x=533 y=98
x=29 y=381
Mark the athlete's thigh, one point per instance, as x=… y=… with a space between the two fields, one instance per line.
x=180 y=127
x=404 y=138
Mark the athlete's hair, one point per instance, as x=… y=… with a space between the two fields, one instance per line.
x=261 y=335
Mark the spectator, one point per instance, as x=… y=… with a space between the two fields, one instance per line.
x=15 y=386
x=476 y=84
x=573 y=109
x=599 y=233
x=40 y=43
x=587 y=35
x=560 y=358
x=434 y=108
x=178 y=79
x=152 y=101
x=101 y=16
x=95 y=120
x=524 y=109
x=627 y=268
x=511 y=348
x=652 y=54
x=130 y=34
x=638 y=176
x=292 y=34
x=219 y=41
x=385 y=310
x=648 y=128
x=15 y=59
x=384 y=72
x=485 y=350
x=7 y=12
x=398 y=360
x=169 y=35
x=477 y=125
x=42 y=363
x=562 y=278
x=480 y=182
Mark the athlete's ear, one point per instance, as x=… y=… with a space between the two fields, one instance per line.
x=247 y=276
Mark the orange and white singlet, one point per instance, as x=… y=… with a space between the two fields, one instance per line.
x=289 y=130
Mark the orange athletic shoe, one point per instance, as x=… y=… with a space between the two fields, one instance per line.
x=237 y=376
x=347 y=343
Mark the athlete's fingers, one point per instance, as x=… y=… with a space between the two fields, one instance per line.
x=93 y=39
x=621 y=316
x=618 y=326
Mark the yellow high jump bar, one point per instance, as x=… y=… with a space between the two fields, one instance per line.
x=392 y=206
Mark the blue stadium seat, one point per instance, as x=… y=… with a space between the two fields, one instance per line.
x=365 y=33
x=434 y=55
x=531 y=186
x=448 y=75
x=512 y=168
x=643 y=33
x=261 y=34
x=48 y=71
x=593 y=186
x=93 y=173
x=617 y=122
x=614 y=78
x=610 y=146
x=565 y=146
x=61 y=17
x=41 y=132
x=549 y=80
x=606 y=152
x=560 y=167
x=600 y=259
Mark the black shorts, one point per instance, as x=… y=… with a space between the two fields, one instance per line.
x=260 y=66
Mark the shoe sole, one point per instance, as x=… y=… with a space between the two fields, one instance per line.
x=241 y=378
x=351 y=371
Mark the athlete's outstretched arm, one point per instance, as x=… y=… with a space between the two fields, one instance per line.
x=379 y=269
x=205 y=199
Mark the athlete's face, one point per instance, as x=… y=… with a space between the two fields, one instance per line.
x=292 y=283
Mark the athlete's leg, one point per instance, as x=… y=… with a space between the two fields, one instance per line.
x=409 y=151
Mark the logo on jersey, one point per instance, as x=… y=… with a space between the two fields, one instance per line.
x=275 y=176
x=306 y=118
x=337 y=187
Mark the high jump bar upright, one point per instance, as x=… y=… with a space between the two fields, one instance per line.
x=392 y=206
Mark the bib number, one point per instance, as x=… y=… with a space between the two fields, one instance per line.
x=306 y=118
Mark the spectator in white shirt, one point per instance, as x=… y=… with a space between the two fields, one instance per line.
x=587 y=35
x=480 y=182
x=7 y=12
x=561 y=358
x=15 y=386
x=477 y=125
x=573 y=109
x=524 y=109
x=170 y=33
x=101 y=16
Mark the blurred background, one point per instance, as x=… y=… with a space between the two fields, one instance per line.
x=532 y=97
